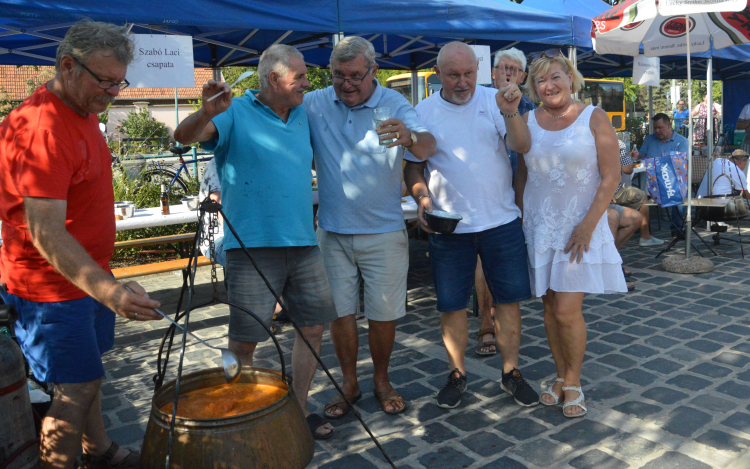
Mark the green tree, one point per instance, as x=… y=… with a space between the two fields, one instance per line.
x=6 y=105
x=319 y=78
x=249 y=83
x=384 y=75
x=42 y=77
x=140 y=125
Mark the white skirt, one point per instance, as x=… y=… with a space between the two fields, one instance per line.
x=600 y=271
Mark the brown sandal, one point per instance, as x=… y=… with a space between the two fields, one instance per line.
x=488 y=343
x=389 y=397
x=131 y=461
x=339 y=402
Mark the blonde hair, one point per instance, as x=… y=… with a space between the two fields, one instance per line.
x=541 y=66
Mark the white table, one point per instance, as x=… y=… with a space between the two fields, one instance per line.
x=148 y=217
x=178 y=214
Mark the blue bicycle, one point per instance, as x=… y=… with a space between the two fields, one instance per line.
x=177 y=187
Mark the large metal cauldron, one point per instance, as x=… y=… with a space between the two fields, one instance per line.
x=276 y=436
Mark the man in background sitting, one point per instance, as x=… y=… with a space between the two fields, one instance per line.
x=728 y=175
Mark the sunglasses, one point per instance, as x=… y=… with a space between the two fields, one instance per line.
x=549 y=53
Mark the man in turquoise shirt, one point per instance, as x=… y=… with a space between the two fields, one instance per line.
x=360 y=221
x=261 y=144
x=661 y=142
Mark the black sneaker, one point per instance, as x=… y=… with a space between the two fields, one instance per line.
x=517 y=387
x=450 y=396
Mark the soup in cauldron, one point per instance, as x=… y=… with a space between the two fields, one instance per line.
x=225 y=400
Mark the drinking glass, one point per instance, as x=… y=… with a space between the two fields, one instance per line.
x=380 y=114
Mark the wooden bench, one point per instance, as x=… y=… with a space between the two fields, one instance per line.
x=157 y=268
x=139 y=243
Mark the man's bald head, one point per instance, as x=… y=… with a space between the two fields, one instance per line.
x=457 y=70
x=455 y=50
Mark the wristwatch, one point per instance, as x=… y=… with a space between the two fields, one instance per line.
x=413 y=136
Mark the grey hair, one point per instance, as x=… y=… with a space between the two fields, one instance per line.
x=86 y=37
x=276 y=58
x=350 y=48
x=452 y=46
x=513 y=54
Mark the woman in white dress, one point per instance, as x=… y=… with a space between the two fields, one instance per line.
x=571 y=173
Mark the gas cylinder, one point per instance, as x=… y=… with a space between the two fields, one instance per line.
x=18 y=439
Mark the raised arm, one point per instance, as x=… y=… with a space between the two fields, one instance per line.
x=508 y=97
x=197 y=127
x=46 y=221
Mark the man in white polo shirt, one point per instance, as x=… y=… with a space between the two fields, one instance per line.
x=470 y=175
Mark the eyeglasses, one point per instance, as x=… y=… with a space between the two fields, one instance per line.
x=105 y=84
x=351 y=81
x=510 y=68
x=549 y=53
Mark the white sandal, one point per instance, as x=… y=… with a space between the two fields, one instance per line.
x=575 y=402
x=554 y=396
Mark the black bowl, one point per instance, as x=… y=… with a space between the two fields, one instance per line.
x=442 y=222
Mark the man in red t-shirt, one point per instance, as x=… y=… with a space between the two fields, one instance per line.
x=58 y=232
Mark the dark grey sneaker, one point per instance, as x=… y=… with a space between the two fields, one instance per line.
x=517 y=387
x=450 y=396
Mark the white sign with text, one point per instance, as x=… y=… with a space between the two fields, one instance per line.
x=484 y=56
x=684 y=7
x=162 y=61
x=646 y=70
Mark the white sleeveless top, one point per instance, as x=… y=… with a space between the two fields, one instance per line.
x=563 y=177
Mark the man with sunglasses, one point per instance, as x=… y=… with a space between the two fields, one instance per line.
x=58 y=229
x=361 y=228
x=470 y=175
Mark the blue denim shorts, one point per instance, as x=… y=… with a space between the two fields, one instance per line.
x=504 y=262
x=64 y=341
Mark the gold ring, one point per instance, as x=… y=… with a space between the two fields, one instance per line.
x=397 y=136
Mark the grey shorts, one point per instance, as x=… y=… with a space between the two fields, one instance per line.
x=380 y=260
x=618 y=208
x=297 y=274
x=630 y=197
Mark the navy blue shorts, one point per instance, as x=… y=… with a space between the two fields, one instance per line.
x=64 y=341
x=504 y=262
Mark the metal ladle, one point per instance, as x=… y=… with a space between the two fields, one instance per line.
x=230 y=360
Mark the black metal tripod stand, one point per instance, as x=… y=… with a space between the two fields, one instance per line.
x=188 y=285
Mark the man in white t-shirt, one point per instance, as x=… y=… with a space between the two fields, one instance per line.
x=470 y=174
x=728 y=174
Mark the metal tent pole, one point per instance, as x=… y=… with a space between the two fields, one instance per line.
x=710 y=123
x=688 y=218
x=650 y=110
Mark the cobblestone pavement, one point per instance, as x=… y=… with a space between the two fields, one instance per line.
x=666 y=377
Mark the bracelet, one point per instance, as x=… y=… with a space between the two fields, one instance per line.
x=510 y=115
